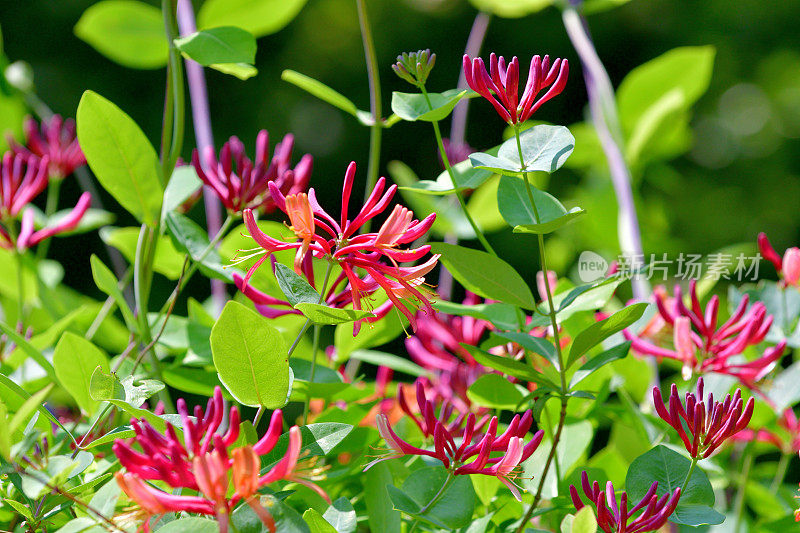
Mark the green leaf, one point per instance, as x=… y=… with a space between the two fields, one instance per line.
x=381 y=514
x=494 y=391
x=453 y=509
x=5 y=433
x=28 y=349
x=318 y=440
x=21 y=508
x=687 y=69
x=223 y=44
x=107 y=387
x=504 y=316
x=509 y=366
x=295 y=287
x=536 y=345
x=250 y=357
x=182 y=185
x=485 y=274
x=584 y=521
x=243 y=71
x=193 y=524
x=599 y=360
x=544 y=148
x=389 y=360
x=322 y=314
x=75 y=360
x=375 y=334
x=516 y=209
x=414 y=106
x=670 y=468
x=18 y=391
x=508 y=9
x=107 y=282
x=190 y=238
x=27 y=409
x=128 y=32
x=317 y=523
x=599 y=331
x=259 y=17
x=341 y=515
x=321 y=91
x=466 y=177
x=121 y=157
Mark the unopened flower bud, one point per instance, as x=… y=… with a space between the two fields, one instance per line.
x=414 y=67
x=791 y=266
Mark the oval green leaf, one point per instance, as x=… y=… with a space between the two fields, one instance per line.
x=494 y=391
x=599 y=331
x=485 y=274
x=121 y=157
x=544 y=148
x=75 y=360
x=259 y=17
x=224 y=44
x=125 y=31
x=250 y=357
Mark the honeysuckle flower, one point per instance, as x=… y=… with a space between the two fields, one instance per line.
x=415 y=67
x=244 y=184
x=378 y=254
x=504 y=83
x=618 y=518
x=29 y=236
x=22 y=178
x=787 y=266
x=55 y=139
x=474 y=455
x=203 y=461
x=702 y=346
x=708 y=422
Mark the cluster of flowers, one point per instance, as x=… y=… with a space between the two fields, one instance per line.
x=203 y=461
x=700 y=345
x=50 y=153
x=474 y=454
x=378 y=254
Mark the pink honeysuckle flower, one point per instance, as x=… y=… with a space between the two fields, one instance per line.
x=204 y=461
x=55 y=139
x=702 y=346
x=787 y=266
x=613 y=517
x=28 y=237
x=504 y=83
x=377 y=254
x=788 y=441
x=708 y=422
x=475 y=453
x=22 y=178
x=244 y=184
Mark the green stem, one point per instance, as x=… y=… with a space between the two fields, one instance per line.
x=783 y=464
x=446 y=161
x=543 y=261
x=554 y=323
x=53 y=193
x=258 y=416
x=689 y=475
x=376 y=129
x=94 y=425
x=315 y=343
x=739 y=506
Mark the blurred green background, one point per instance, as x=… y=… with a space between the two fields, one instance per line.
x=739 y=177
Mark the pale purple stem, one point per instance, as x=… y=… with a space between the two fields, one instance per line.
x=201 y=118
x=606 y=121
x=458 y=129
